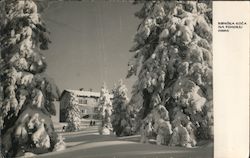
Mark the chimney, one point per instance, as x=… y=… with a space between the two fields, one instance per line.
x=81 y=89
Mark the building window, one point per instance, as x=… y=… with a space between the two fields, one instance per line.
x=82 y=101
x=84 y=111
x=96 y=109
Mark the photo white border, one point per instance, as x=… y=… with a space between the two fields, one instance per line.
x=231 y=80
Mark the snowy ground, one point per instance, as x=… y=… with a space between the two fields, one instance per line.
x=88 y=144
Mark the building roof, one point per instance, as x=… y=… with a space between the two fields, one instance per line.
x=84 y=93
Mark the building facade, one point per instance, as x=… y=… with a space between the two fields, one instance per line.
x=87 y=102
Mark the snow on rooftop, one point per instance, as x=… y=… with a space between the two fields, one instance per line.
x=84 y=93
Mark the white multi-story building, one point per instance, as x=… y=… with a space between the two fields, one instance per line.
x=87 y=101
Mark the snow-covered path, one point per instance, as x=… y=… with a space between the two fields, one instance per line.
x=88 y=144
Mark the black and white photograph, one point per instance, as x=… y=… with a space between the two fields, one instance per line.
x=106 y=79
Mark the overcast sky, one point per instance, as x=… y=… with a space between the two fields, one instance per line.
x=90 y=43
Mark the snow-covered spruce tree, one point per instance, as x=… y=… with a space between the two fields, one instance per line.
x=173 y=48
x=60 y=145
x=122 y=122
x=73 y=117
x=27 y=102
x=105 y=111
